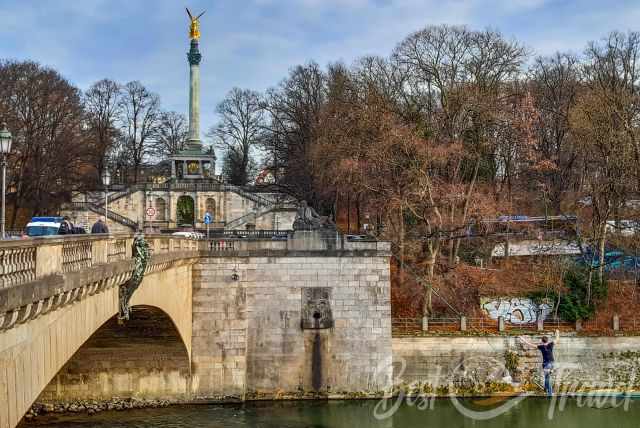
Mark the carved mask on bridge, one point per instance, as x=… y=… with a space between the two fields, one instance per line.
x=316 y=308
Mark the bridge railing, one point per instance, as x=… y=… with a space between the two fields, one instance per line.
x=22 y=261
x=287 y=241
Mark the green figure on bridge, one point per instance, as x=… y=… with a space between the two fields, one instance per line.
x=141 y=257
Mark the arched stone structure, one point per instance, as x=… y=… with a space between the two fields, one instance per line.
x=161 y=209
x=185 y=210
x=210 y=207
x=143 y=358
x=32 y=353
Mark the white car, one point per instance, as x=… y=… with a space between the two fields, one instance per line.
x=190 y=235
x=43 y=226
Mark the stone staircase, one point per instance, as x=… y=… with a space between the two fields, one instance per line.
x=247 y=218
x=259 y=200
x=111 y=215
x=263 y=207
x=97 y=198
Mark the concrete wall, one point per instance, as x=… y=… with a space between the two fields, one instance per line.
x=247 y=337
x=467 y=362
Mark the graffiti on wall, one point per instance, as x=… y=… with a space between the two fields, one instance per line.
x=515 y=310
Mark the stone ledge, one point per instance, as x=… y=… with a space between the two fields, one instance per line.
x=24 y=302
x=294 y=253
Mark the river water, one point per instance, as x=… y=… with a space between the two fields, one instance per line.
x=529 y=413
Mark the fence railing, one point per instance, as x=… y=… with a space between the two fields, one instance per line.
x=76 y=255
x=259 y=234
x=22 y=261
x=218 y=246
x=117 y=250
x=17 y=265
x=481 y=324
x=473 y=325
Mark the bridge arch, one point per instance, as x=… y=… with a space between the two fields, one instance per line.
x=143 y=358
x=32 y=353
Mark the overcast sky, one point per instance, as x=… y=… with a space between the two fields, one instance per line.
x=253 y=43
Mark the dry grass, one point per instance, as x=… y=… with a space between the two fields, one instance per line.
x=464 y=285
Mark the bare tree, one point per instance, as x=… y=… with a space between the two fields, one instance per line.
x=605 y=121
x=613 y=69
x=238 y=132
x=140 y=121
x=44 y=112
x=464 y=73
x=102 y=110
x=171 y=136
x=294 y=109
x=554 y=83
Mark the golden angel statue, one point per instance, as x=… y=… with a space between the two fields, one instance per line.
x=194 y=30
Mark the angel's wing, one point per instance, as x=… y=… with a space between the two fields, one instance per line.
x=189 y=13
x=201 y=15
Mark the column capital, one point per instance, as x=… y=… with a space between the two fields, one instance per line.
x=194 y=55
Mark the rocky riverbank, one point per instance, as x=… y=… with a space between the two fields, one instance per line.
x=91 y=407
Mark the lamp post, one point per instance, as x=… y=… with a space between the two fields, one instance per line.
x=106 y=180
x=5 y=148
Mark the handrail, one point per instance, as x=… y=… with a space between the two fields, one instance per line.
x=260 y=201
x=240 y=220
x=114 y=196
x=268 y=204
x=110 y=214
x=254 y=197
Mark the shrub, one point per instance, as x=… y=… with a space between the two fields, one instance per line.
x=573 y=304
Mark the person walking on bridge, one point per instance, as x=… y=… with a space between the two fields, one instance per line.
x=546 y=349
x=66 y=227
x=100 y=226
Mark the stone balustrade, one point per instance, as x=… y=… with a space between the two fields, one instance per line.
x=22 y=261
x=41 y=274
x=17 y=265
x=313 y=241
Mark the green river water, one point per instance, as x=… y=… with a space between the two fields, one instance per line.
x=529 y=413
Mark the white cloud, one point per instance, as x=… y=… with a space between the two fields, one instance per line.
x=253 y=43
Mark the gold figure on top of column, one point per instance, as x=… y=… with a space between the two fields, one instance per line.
x=194 y=29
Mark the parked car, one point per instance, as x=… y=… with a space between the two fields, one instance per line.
x=43 y=226
x=190 y=235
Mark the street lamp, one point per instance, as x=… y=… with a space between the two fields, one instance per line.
x=5 y=148
x=106 y=180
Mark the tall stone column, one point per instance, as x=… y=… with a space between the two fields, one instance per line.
x=194 y=58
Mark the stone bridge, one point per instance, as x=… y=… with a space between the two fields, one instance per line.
x=56 y=292
x=229 y=318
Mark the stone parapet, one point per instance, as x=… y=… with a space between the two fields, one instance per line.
x=40 y=275
x=297 y=244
